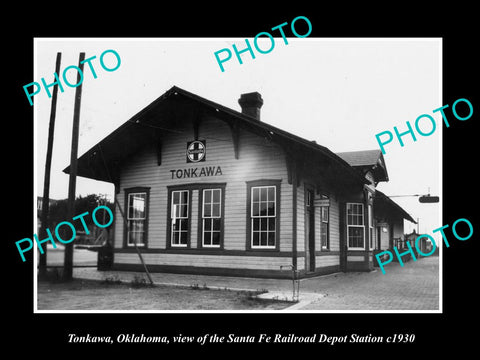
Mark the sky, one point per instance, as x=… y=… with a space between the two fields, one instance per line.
x=339 y=92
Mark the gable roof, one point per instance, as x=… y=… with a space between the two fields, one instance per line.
x=367 y=160
x=383 y=204
x=163 y=114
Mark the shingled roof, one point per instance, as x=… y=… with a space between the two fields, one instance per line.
x=101 y=161
x=367 y=160
x=385 y=205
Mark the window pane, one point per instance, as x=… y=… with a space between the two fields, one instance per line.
x=255 y=194
x=184 y=224
x=271 y=193
x=271 y=208
x=180 y=203
x=255 y=239
x=207 y=196
x=216 y=195
x=271 y=224
x=184 y=198
x=323 y=235
x=324 y=214
x=183 y=237
x=271 y=239
x=183 y=211
x=263 y=224
x=255 y=208
x=135 y=237
x=207 y=224
x=263 y=194
x=175 y=238
x=207 y=238
x=207 y=210
x=136 y=205
x=263 y=209
x=216 y=238
x=355 y=214
x=263 y=238
x=216 y=224
x=216 y=210
x=355 y=237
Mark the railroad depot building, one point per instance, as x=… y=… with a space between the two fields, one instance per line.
x=201 y=188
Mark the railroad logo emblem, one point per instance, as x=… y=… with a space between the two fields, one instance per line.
x=196 y=151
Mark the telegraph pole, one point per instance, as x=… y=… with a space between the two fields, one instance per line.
x=46 y=182
x=68 y=260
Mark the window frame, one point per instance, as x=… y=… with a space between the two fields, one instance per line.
x=370 y=226
x=362 y=212
x=195 y=220
x=265 y=183
x=327 y=225
x=201 y=218
x=188 y=218
x=169 y=237
x=128 y=192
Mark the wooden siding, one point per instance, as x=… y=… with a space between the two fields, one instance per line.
x=327 y=260
x=258 y=159
x=334 y=223
x=301 y=220
x=355 y=258
x=212 y=261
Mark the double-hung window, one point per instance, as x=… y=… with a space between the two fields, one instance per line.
x=324 y=240
x=136 y=218
x=263 y=216
x=179 y=218
x=211 y=217
x=355 y=226
x=370 y=225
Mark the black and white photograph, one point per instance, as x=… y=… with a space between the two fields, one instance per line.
x=267 y=186
x=259 y=188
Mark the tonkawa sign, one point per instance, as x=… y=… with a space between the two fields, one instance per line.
x=196 y=172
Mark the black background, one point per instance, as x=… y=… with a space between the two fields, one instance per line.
x=46 y=334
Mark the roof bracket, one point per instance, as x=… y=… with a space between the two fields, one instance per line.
x=235 y=137
x=293 y=171
x=158 y=148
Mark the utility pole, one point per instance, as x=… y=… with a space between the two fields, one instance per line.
x=46 y=182
x=68 y=260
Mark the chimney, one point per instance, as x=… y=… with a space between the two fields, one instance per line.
x=251 y=104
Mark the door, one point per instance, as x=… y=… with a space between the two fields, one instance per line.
x=379 y=237
x=309 y=231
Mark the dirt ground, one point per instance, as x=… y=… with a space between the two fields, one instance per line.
x=97 y=295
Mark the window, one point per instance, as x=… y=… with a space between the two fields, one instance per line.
x=263 y=216
x=211 y=217
x=136 y=218
x=324 y=240
x=355 y=226
x=179 y=218
x=370 y=225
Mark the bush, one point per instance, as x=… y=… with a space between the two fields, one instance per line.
x=138 y=281
x=112 y=280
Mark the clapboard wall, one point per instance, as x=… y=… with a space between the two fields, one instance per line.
x=259 y=159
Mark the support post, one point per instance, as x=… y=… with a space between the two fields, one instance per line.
x=46 y=182
x=68 y=260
